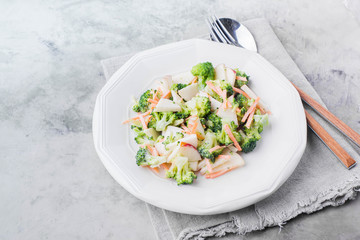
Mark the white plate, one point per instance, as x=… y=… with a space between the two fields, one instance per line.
x=267 y=167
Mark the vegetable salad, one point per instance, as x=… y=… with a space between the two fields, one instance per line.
x=198 y=121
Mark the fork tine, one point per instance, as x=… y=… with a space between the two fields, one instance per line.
x=212 y=33
x=218 y=31
x=224 y=30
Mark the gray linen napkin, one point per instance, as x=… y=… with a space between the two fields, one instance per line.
x=319 y=180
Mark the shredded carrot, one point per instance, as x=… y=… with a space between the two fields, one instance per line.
x=137 y=117
x=155 y=169
x=250 y=109
x=262 y=110
x=238 y=110
x=161 y=140
x=187 y=130
x=167 y=95
x=194 y=80
x=142 y=120
x=199 y=136
x=147 y=119
x=152 y=150
x=194 y=126
x=215 y=148
x=241 y=78
x=152 y=101
x=208 y=165
x=241 y=92
x=211 y=85
x=249 y=121
x=165 y=166
x=224 y=156
x=231 y=136
x=219 y=173
x=223 y=95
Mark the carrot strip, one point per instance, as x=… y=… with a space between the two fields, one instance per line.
x=164 y=165
x=211 y=85
x=238 y=110
x=241 y=78
x=155 y=169
x=249 y=121
x=199 y=136
x=147 y=120
x=152 y=150
x=215 y=148
x=224 y=156
x=194 y=126
x=167 y=95
x=262 y=110
x=138 y=116
x=194 y=80
x=231 y=136
x=223 y=95
x=142 y=120
x=250 y=109
x=208 y=165
x=219 y=173
x=241 y=92
x=152 y=101
x=187 y=130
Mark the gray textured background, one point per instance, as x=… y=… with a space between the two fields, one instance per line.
x=53 y=185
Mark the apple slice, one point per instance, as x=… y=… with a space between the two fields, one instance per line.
x=166 y=83
x=161 y=149
x=227 y=114
x=171 y=130
x=189 y=92
x=184 y=78
x=166 y=105
x=176 y=98
x=189 y=139
x=230 y=76
x=150 y=132
x=220 y=72
x=189 y=151
x=194 y=166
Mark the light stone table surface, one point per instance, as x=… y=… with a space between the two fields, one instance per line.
x=53 y=185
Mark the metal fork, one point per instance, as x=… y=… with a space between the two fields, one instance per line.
x=219 y=33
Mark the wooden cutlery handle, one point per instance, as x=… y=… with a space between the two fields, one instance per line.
x=330 y=142
x=345 y=129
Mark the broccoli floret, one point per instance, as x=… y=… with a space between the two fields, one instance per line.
x=248 y=144
x=224 y=138
x=204 y=71
x=224 y=85
x=241 y=100
x=160 y=120
x=214 y=122
x=249 y=140
x=178 y=86
x=184 y=113
x=208 y=143
x=141 y=137
x=143 y=105
x=239 y=83
x=173 y=138
x=180 y=171
x=241 y=114
x=199 y=106
x=261 y=121
x=253 y=132
x=144 y=158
